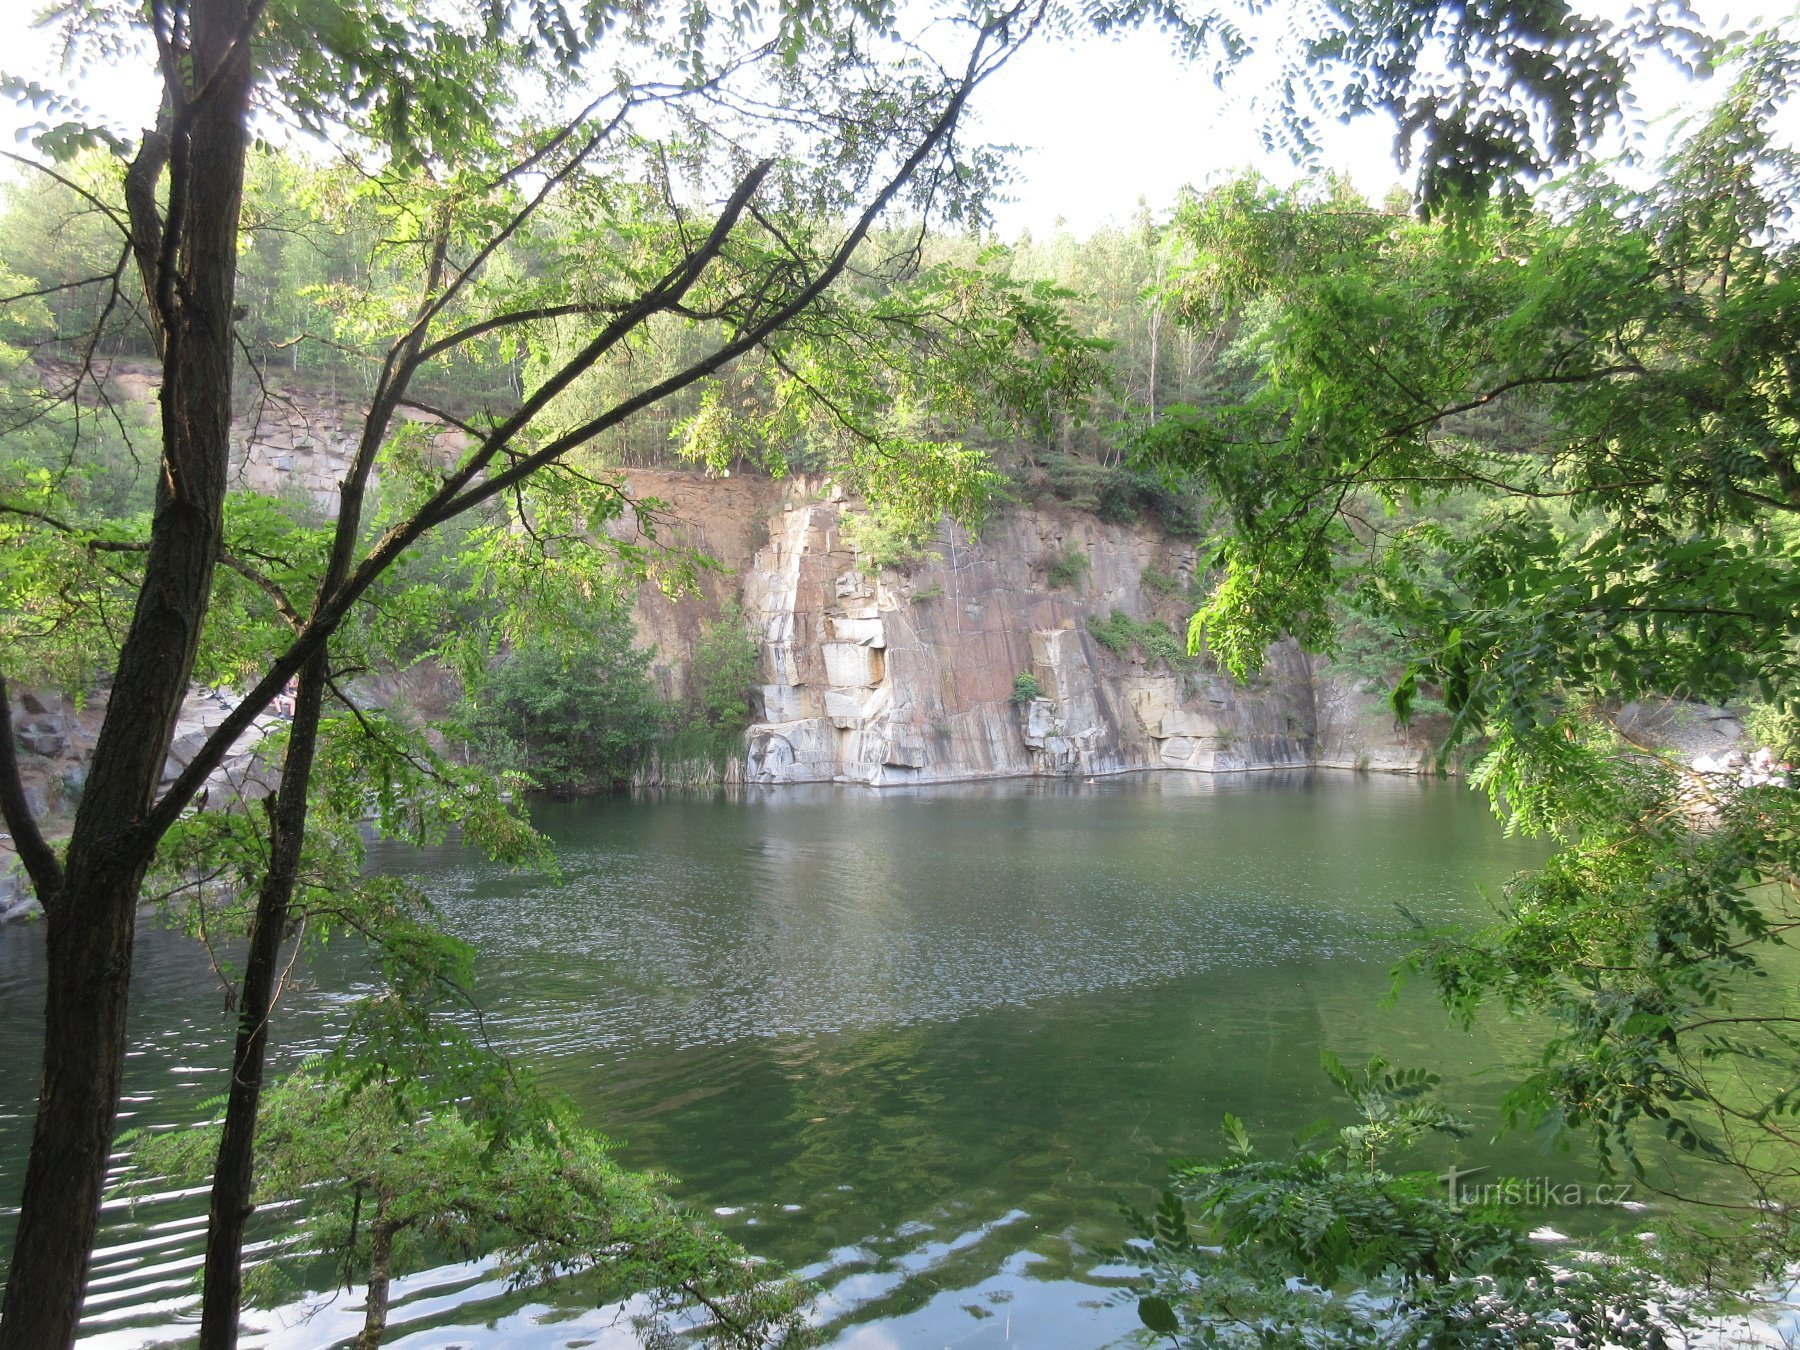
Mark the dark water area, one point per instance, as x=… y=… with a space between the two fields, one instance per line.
x=916 y=1045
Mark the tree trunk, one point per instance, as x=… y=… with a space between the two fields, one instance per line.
x=92 y=921
x=381 y=1269
x=233 y=1173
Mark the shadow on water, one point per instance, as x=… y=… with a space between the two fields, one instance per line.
x=917 y=1045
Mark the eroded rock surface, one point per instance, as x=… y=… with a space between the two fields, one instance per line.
x=887 y=675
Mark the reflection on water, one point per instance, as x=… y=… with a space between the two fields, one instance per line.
x=917 y=1045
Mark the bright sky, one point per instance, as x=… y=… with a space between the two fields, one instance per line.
x=1100 y=124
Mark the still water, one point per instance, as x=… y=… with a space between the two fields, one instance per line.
x=917 y=1046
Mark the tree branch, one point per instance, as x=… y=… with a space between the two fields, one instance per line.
x=456 y=495
x=40 y=860
x=1507 y=387
x=475 y=330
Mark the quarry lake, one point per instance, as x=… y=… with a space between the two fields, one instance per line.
x=917 y=1045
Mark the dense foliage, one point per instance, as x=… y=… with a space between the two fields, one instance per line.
x=391 y=1184
x=1550 y=460
x=724 y=668
x=1329 y=1246
x=1121 y=634
x=572 y=716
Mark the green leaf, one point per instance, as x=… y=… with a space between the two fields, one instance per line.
x=1155 y=1313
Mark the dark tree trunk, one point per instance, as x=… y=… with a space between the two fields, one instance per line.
x=233 y=1173
x=91 y=921
x=381 y=1271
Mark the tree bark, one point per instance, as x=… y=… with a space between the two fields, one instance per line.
x=91 y=923
x=234 y=1170
x=381 y=1269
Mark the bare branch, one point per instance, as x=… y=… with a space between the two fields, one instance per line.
x=69 y=183
x=476 y=330
x=40 y=860
x=58 y=287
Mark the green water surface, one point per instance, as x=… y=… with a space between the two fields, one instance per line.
x=916 y=1045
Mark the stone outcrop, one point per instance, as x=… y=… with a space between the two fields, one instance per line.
x=55 y=739
x=907 y=675
x=288 y=439
x=882 y=675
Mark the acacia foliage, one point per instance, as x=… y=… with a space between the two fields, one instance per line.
x=1632 y=534
x=384 y=1177
x=1331 y=1244
x=1552 y=458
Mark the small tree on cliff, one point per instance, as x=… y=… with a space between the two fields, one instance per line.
x=724 y=669
x=688 y=188
x=574 y=715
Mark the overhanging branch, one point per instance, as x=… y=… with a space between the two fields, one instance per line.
x=460 y=490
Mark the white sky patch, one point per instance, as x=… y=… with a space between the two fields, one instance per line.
x=1101 y=124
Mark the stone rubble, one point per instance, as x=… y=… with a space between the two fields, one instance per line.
x=1734 y=770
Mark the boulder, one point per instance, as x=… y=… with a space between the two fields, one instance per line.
x=43 y=737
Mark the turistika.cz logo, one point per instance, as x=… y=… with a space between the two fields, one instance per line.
x=1529 y=1192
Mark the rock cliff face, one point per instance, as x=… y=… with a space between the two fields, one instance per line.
x=882 y=675
x=869 y=674
x=888 y=675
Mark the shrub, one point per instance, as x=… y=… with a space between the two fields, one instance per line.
x=1114 y=633
x=880 y=542
x=1774 y=726
x=705 y=732
x=1066 y=569
x=1160 y=583
x=1119 y=633
x=724 y=669
x=1160 y=643
x=1026 y=688
x=575 y=717
x=1115 y=493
